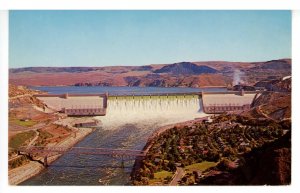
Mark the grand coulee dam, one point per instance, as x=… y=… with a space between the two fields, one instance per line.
x=119 y=109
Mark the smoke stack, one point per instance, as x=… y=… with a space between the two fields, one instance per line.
x=242 y=92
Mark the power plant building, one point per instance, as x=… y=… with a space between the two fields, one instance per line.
x=225 y=102
x=76 y=104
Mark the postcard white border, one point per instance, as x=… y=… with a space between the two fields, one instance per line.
x=149 y=4
x=4 y=187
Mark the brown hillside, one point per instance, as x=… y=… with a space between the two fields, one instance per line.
x=185 y=74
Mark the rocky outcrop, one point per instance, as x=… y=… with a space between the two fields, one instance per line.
x=276 y=106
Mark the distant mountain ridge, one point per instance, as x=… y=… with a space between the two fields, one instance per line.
x=181 y=74
x=53 y=69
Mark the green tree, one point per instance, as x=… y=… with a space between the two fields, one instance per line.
x=172 y=166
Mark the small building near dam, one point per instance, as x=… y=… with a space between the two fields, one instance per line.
x=87 y=123
x=215 y=103
x=88 y=111
x=77 y=104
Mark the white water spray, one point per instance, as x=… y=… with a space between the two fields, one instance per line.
x=146 y=111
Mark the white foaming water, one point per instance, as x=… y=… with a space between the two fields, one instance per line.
x=151 y=111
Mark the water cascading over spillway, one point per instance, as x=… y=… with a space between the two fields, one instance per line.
x=153 y=104
x=166 y=109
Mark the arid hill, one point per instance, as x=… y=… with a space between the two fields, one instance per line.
x=276 y=64
x=185 y=68
x=186 y=74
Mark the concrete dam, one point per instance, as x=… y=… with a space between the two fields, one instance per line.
x=159 y=109
x=104 y=104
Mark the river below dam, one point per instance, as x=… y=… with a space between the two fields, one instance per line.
x=127 y=125
x=72 y=169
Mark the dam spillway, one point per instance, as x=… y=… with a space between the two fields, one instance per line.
x=154 y=104
x=149 y=110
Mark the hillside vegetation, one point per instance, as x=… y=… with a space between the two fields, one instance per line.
x=226 y=140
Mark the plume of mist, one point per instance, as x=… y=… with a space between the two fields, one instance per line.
x=237 y=74
x=150 y=112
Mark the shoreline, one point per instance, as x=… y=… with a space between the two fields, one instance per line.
x=152 y=138
x=33 y=168
x=201 y=87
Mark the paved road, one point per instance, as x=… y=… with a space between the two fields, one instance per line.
x=178 y=175
x=264 y=114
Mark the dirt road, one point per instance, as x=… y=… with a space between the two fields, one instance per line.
x=178 y=175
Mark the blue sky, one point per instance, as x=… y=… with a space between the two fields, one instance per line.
x=107 y=38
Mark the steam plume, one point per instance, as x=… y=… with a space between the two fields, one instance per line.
x=237 y=77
